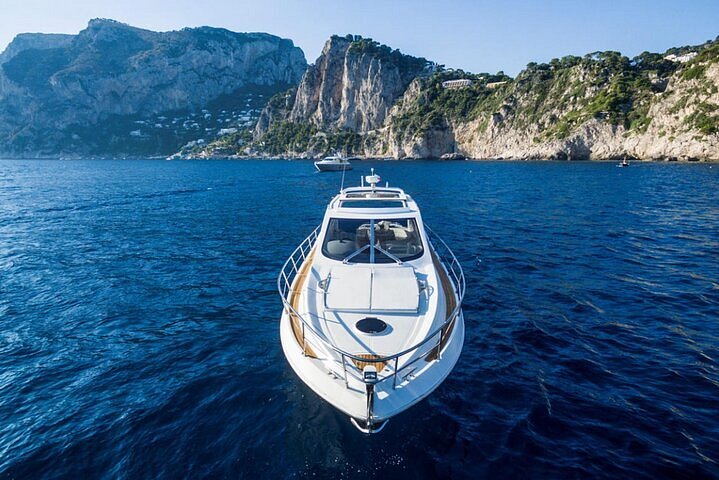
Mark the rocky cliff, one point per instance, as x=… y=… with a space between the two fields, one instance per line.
x=117 y=90
x=351 y=86
x=122 y=90
x=600 y=106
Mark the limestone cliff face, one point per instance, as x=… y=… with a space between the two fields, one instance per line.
x=42 y=41
x=675 y=118
x=277 y=110
x=364 y=99
x=56 y=90
x=432 y=142
x=668 y=136
x=676 y=130
x=351 y=86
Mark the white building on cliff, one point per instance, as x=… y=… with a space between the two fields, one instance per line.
x=460 y=83
x=680 y=58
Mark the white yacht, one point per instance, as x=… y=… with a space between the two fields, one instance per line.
x=333 y=163
x=372 y=318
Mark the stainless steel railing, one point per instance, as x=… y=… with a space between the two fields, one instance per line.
x=432 y=344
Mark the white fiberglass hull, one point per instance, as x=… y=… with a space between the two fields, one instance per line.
x=332 y=166
x=317 y=373
x=372 y=318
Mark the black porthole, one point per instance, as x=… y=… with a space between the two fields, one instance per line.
x=371 y=325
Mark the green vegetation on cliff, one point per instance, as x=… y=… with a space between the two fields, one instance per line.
x=286 y=137
x=405 y=63
x=294 y=138
x=556 y=97
x=603 y=85
x=114 y=89
x=704 y=119
x=436 y=105
x=546 y=105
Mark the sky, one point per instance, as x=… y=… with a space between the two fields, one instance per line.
x=477 y=36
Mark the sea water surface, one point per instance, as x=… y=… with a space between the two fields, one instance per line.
x=139 y=323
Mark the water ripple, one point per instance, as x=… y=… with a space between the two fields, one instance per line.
x=139 y=323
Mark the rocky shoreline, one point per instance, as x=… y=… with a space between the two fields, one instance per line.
x=116 y=91
x=458 y=158
x=599 y=107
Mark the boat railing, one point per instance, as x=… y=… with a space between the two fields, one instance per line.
x=430 y=348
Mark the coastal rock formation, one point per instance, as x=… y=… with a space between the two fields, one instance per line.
x=351 y=86
x=579 y=112
x=40 y=41
x=600 y=106
x=92 y=93
x=122 y=91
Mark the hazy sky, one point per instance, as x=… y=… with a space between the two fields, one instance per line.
x=475 y=35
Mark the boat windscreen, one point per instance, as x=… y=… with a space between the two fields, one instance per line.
x=372 y=194
x=360 y=203
x=395 y=240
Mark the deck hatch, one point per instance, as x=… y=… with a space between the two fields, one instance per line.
x=371 y=325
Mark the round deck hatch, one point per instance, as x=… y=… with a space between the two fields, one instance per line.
x=371 y=325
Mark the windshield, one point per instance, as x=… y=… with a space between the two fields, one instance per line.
x=372 y=204
x=394 y=240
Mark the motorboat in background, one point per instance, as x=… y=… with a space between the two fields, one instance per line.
x=333 y=163
x=372 y=318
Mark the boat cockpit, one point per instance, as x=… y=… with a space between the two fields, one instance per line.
x=372 y=225
x=373 y=240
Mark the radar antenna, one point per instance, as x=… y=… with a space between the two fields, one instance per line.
x=373 y=179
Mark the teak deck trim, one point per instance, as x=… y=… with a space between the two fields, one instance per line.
x=297 y=286
x=369 y=356
x=296 y=292
x=450 y=302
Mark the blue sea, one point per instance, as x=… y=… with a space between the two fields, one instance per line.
x=139 y=323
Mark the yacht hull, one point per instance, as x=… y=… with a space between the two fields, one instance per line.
x=332 y=167
x=372 y=319
x=321 y=375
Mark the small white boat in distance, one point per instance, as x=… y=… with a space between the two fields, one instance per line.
x=623 y=163
x=372 y=318
x=333 y=163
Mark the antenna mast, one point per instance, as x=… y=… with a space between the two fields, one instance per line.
x=342 y=185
